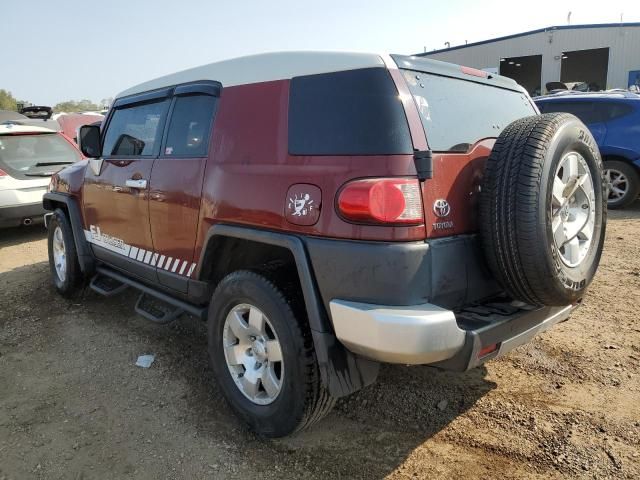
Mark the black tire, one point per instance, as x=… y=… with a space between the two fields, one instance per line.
x=302 y=400
x=73 y=278
x=633 y=180
x=515 y=209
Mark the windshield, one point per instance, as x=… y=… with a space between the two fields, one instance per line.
x=24 y=156
x=457 y=113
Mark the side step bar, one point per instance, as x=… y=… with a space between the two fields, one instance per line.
x=107 y=286
x=156 y=310
x=199 y=312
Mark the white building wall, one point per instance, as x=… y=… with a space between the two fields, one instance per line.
x=623 y=43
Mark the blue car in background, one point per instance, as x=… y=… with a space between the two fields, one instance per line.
x=614 y=121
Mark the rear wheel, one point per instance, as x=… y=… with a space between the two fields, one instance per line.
x=262 y=355
x=543 y=210
x=63 y=259
x=623 y=183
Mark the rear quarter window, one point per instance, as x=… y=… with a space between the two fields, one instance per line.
x=356 y=112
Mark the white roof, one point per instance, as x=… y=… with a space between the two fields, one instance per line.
x=9 y=128
x=264 y=68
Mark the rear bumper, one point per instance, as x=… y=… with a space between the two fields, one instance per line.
x=15 y=215
x=428 y=334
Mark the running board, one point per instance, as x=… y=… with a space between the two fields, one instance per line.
x=107 y=286
x=199 y=312
x=158 y=311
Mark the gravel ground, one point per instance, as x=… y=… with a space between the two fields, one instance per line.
x=73 y=405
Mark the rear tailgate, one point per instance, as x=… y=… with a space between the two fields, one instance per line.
x=462 y=111
x=451 y=197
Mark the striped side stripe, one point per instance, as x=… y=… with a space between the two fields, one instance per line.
x=191 y=268
x=153 y=259
x=184 y=265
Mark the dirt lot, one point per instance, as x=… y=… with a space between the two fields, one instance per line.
x=73 y=405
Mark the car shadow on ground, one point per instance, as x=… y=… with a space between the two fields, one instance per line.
x=632 y=212
x=17 y=235
x=372 y=431
x=369 y=434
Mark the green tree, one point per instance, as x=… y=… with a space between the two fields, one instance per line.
x=7 y=101
x=75 y=106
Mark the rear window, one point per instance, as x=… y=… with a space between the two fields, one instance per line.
x=356 y=112
x=35 y=155
x=457 y=113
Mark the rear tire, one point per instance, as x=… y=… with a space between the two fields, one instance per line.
x=300 y=398
x=629 y=187
x=542 y=209
x=63 y=258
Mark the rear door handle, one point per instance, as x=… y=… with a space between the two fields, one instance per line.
x=136 y=183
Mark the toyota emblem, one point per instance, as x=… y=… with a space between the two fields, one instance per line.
x=441 y=208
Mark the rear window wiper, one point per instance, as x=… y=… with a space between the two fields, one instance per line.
x=48 y=164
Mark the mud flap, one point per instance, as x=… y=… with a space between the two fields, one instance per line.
x=343 y=373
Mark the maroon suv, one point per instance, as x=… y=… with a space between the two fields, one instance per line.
x=325 y=212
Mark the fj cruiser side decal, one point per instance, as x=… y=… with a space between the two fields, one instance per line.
x=95 y=236
x=154 y=259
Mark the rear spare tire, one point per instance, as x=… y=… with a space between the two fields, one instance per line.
x=543 y=210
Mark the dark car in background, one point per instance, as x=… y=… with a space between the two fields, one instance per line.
x=614 y=121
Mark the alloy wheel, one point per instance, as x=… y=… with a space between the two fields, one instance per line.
x=59 y=254
x=572 y=209
x=617 y=184
x=253 y=354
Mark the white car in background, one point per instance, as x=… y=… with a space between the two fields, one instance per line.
x=29 y=155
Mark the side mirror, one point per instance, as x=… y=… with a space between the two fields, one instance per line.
x=89 y=141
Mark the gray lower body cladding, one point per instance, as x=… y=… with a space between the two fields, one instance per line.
x=448 y=272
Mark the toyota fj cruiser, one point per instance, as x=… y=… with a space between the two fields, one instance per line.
x=325 y=212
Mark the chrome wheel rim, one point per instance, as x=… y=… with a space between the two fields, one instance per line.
x=59 y=254
x=573 y=209
x=253 y=354
x=617 y=184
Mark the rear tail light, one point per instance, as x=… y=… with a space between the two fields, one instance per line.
x=382 y=200
x=484 y=351
x=3 y=173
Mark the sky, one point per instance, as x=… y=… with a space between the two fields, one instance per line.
x=77 y=49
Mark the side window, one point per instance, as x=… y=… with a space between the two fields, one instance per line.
x=189 y=126
x=585 y=111
x=135 y=130
x=616 y=110
x=355 y=112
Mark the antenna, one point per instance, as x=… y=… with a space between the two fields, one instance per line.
x=448 y=44
x=569 y=18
